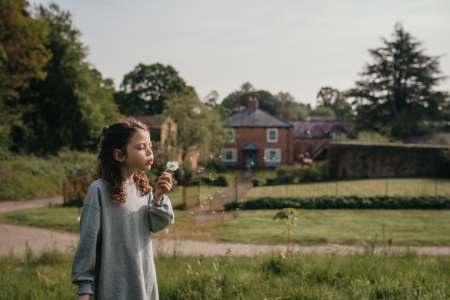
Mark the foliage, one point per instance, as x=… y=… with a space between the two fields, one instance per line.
x=23 y=56
x=332 y=98
x=345 y=202
x=147 y=88
x=71 y=105
x=407 y=276
x=397 y=94
x=198 y=127
x=286 y=174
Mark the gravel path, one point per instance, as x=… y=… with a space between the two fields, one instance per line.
x=14 y=238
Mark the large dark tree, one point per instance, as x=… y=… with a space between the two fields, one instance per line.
x=397 y=94
x=23 y=56
x=69 y=107
x=146 y=88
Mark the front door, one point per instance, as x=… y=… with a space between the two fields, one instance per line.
x=250 y=159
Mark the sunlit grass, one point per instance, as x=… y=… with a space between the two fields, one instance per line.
x=368 y=187
x=47 y=277
x=341 y=226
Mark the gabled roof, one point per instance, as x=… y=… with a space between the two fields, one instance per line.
x=318 y=127
x=254 y=117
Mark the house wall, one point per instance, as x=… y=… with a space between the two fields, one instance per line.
x=258 y=136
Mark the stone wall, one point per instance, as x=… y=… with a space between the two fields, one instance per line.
x=360 y=160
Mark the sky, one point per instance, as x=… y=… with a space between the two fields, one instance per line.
x=291 y=46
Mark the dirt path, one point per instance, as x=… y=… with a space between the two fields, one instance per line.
x=7 y=206
x=14 y=238
x=229 y=194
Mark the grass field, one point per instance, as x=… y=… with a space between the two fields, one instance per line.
x=47 y=277
x=403 y=227
x=28 y=176
x=206 y=193
x=369 y=187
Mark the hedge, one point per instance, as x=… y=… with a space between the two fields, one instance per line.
x=345 y=202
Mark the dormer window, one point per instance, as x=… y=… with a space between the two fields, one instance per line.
x=272 y=135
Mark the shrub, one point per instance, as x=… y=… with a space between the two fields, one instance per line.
x=345 y=202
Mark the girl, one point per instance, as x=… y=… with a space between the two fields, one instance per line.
x=114 y=257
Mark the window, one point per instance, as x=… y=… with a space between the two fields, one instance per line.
x=272 y=155
x=230 y=135
x=272 y=135
x=229 y=155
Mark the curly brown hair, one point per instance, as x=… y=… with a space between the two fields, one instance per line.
x=117 y=136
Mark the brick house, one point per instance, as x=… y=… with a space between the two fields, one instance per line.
x=256 y=139
x=314 y=134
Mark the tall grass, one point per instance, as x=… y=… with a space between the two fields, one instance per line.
x=364 y=276
x=29 y=176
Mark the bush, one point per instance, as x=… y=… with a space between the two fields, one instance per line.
x=345 y=202
x=212 y=178
x=76 y=200
x=258 y=181
x=295 y=174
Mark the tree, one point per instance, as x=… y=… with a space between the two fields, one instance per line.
x=323 y=111
x=146 y=88
x=290 y=109
x=332 y=98
x=23 y=56
x=197 y=126
x=73 y=103
x=267 y=102
x=397 y=94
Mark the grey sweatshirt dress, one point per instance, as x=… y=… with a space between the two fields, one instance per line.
x=114 y=257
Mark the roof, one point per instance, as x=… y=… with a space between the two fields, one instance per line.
x=318 y=127
x=254 y=117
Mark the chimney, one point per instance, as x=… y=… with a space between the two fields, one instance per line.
x=252 y=102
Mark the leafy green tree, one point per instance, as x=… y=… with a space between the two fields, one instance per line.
x=290 y=109
x=323 y=111
x=397 y=94
x=197 y=126
x=336 y=100
x=267 y=102
x=23 y=56
x=71 y=105
x=146 y=88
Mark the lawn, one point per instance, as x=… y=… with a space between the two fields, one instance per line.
x=368 y=187
x=264 y=277
x=402 y=227
x=206 y=193
x=341 y=226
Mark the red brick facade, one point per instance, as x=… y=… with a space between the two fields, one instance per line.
x=258 y=137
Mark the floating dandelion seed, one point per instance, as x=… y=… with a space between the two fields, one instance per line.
x=172 y=166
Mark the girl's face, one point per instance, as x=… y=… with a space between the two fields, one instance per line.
x=139 y=151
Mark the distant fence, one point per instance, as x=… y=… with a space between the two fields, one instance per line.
x=75 y=187
x=362 y=187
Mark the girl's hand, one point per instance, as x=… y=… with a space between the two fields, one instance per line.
x=84 y=297
x=163 y=185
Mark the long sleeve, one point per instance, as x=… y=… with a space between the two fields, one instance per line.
x=84 y=262
x=161 y=215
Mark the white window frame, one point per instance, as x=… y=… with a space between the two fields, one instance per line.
x=233 y=135
x=269 y=130
x=234 y=155
x=267 y=156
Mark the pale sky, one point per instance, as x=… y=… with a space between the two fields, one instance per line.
x=291 y=46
